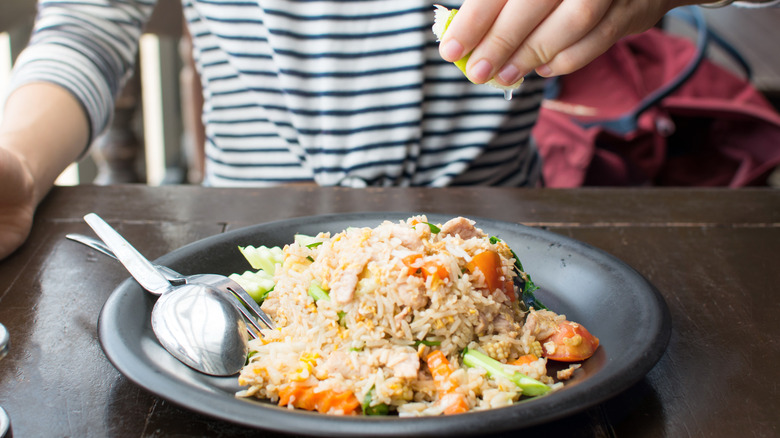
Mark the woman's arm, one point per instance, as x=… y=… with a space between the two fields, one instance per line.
x=62 y=95
x=43 y=130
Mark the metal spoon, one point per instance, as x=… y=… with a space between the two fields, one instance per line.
x=4 y=341
x=195 y=322
x=5 y=421
x=5 y=424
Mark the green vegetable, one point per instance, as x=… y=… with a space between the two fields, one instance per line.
x=523 y=281
x=262 y=257
x=257 y=284
x=317 y=292
x=307 y=241
x=434 y=228
x=530 y=387
x=529 y=299
x=427 y=343
x=380 y=409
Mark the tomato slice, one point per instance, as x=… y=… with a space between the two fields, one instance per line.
x=571 y=342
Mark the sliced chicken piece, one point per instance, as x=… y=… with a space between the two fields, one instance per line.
x=461 y=227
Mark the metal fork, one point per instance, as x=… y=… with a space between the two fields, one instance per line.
x=245 y=304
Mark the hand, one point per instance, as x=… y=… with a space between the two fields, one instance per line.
x=17 y=202
x=511 y=38
x=43 y=129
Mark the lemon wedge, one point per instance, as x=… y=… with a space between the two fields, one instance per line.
x=441 y=21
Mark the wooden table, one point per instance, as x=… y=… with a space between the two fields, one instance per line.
x=713 y=254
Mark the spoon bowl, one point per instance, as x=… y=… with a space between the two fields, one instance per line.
x=4 y=341
x=196 y=323
x=217 y=344
x=5 y=421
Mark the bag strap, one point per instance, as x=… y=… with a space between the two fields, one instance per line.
x=687 y=15
x=628 y=122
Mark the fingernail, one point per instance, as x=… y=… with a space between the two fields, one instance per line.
x=480 y=72
x=451 y=50
x=509 y=74
x=544 y=70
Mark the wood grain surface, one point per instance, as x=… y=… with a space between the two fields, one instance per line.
x=712 y=253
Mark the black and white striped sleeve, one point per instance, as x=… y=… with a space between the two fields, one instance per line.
x=86 y=46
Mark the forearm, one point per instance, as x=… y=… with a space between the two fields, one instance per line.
x=46 y=127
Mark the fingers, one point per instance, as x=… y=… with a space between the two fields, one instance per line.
x=564 y=27
x=468 y=28
x=581 y=52
x=622 y=18
x=517 y=21
x=507 y=39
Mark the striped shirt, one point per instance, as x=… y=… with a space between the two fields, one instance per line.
x=349 y=92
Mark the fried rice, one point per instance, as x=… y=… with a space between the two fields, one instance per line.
x=393 y=295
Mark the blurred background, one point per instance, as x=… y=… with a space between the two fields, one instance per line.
x=156 y=136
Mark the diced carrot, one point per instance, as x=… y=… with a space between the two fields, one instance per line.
x=438 y=271
x=489 y=263
x=524 y=360
x=411 y=260
x=439 y=365
x=456 y=403
x=509 y=290
x=303 y=396
x=441 y=370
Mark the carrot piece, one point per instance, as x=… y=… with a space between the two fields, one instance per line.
x=456 y=403
x=438 y=271
x=304 y=397
x=430 y=268
x=441 y=370
x=489 y=263
x=411 y=260
x=440 y=367
x=525 y=359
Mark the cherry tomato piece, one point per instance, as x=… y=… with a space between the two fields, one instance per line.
x=571 y=342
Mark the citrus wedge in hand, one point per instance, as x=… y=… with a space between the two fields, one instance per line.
x=441 y=21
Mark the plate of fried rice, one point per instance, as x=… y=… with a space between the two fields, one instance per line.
x=395 y=324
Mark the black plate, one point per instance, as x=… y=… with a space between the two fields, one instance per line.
x=615 y=302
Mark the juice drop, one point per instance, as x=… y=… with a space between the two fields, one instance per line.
x=508 y=94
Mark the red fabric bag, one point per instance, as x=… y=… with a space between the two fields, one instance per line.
x=654 y=111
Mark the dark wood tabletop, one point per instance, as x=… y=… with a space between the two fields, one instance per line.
x=713 y=255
